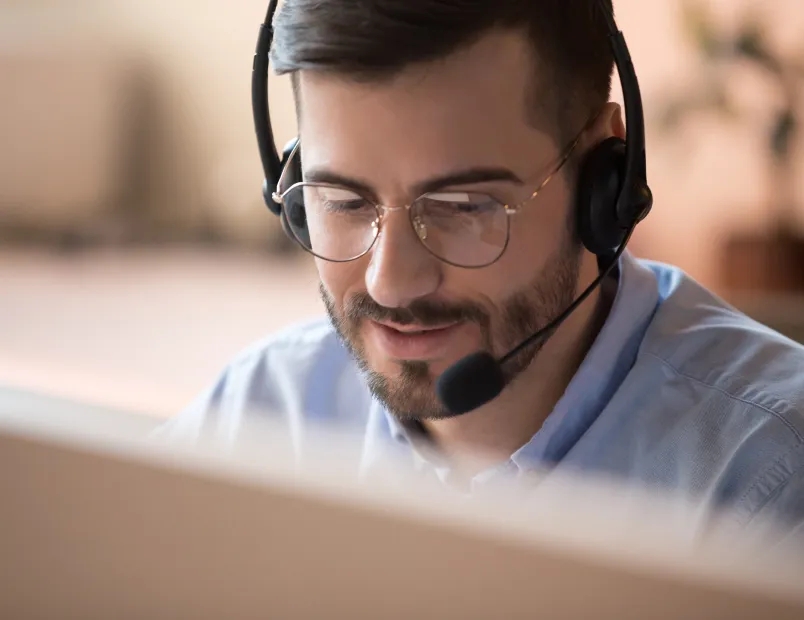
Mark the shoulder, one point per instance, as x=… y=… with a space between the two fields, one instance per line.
x=738 y=387
x=699 y=337
x=296 y=374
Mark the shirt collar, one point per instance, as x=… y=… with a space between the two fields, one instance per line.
x=604 y=368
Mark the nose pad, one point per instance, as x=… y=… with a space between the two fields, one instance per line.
x=381 y=222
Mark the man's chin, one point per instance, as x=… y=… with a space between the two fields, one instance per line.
x=410 y=373
x=408 y=392
x=424 y=372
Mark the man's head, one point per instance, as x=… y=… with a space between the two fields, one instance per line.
x=456 y=98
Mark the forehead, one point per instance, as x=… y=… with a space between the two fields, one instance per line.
x=461 y=111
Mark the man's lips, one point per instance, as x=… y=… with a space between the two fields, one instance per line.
x=413 y=342
x=414 y=329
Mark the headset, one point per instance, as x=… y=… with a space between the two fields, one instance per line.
x=612 y=197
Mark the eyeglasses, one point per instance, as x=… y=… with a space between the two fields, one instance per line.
x=462 y=228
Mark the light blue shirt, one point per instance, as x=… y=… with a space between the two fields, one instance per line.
x=679 y=391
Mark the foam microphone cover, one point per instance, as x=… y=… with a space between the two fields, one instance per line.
x=470 y=383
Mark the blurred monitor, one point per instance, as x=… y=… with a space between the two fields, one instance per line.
x=99 y=520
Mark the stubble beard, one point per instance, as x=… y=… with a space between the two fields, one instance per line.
x=411 y=395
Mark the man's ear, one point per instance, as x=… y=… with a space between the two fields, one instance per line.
x=610 y=122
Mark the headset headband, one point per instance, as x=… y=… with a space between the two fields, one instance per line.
x=631 y=196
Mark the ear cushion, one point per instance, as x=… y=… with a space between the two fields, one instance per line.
x=599 y=182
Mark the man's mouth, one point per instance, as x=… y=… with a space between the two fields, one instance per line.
x=413 y=342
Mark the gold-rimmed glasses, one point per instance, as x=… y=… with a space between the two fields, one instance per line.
x=462 y=228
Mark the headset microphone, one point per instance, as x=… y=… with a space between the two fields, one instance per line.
x=478 y=378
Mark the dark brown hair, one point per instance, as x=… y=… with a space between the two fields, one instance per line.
x=373 y=40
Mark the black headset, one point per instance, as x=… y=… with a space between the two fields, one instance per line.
x=612 y=197
x=612 y=193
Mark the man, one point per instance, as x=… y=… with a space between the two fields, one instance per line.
x=412 y=110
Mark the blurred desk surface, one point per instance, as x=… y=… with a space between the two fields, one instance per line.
x=141 y=329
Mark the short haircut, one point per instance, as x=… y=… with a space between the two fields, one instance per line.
x=375 y=40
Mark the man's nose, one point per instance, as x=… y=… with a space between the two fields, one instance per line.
x=400 y=269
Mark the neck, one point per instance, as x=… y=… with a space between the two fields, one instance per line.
x=493 y=432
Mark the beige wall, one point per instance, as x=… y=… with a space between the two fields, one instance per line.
x=195 y=59
x=204 y=158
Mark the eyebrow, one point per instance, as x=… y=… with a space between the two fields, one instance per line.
x=469 y=176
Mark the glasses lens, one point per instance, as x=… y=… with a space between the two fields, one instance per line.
x=333 y=223
x=462 y=228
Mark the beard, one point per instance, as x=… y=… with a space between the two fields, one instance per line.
x=411 y=395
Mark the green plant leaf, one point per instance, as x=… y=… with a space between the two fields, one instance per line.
x=713 y=98
x=722 y=51
x=698 y=27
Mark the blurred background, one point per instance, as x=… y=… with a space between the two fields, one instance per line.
x=136 y=256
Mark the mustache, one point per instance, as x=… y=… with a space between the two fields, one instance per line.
x=427 y=313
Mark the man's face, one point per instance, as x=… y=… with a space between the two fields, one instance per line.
x=404 y=314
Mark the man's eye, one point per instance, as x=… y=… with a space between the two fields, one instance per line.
x=467 y=207
x=345 y=205
x=460 y=203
